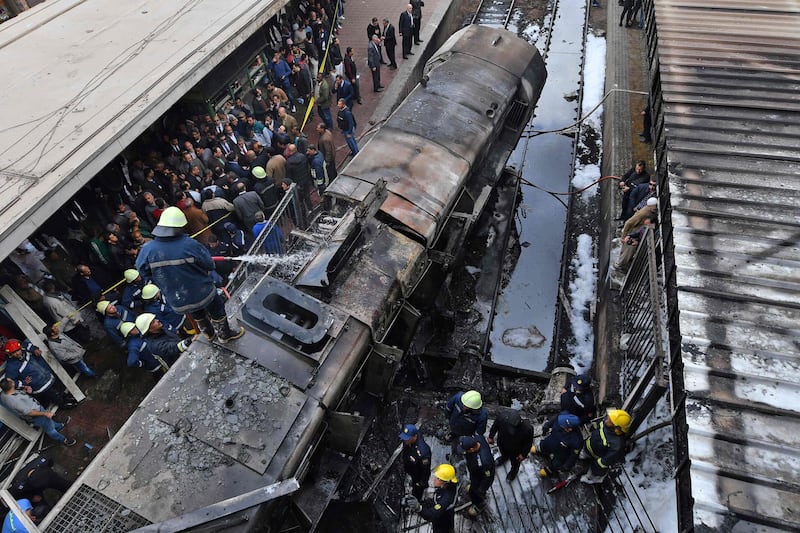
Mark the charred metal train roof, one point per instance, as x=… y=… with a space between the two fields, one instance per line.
x=424 y=149
x=730 y=74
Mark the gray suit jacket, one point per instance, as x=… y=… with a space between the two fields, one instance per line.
x=373 y=56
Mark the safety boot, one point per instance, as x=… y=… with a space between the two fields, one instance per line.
x=206 y=327
x=224 y=331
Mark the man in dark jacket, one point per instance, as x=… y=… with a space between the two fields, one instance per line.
x=390 y=42
x=416 y=459
x=514 y=438
x=406 y=27
x=181 y=267
x=633 y=177
x=34 y=478
x=561 y=448
x=247 y=204
x=480 y=465
x=299 y=171
x=416 y=12
x=351 y=74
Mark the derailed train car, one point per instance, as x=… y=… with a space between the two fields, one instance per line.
x=298 y=389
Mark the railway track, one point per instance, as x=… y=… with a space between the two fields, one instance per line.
x=495 y=13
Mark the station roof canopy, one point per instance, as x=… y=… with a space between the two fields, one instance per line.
x=730 y=72
x=84 y=78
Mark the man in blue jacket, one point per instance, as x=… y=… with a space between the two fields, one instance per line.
x=416 y=459
x=139 y=355
x=155 y=303
x=480 y=465
x=113 y=316
x=182 y=267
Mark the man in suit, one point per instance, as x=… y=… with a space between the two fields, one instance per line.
x=416 y=13
x=406 y=27
x=374 y=28
x=374 y=63
x=389 y=41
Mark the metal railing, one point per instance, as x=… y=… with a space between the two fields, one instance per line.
x=283 y=216
x=644 y=363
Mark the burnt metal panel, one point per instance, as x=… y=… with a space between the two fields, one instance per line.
x=728 y=75
x=425 y=150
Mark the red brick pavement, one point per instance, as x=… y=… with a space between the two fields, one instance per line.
x=358 y=14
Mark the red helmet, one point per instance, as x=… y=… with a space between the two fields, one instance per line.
x=12 y=345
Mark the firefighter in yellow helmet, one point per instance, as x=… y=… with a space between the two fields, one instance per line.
x=606 y=444
x=440 y=510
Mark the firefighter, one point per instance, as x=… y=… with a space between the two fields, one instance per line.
x=182 y=268
x=606 y=444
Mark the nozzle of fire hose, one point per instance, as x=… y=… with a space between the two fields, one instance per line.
x=220 y=259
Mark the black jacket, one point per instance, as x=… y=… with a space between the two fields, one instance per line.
x=514 y=435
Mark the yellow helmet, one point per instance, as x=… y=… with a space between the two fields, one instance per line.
x=143 y=322
x=446 y=472
x=131 y=275
x=125 y=328
x=620 y=419
x=102 y=305
x=149 y=291
x=170 y=223
x=472 y=399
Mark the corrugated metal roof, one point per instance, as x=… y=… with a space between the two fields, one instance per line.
x=99 y=73
x=730 y=74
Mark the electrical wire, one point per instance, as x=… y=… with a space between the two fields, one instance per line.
x=534 y=133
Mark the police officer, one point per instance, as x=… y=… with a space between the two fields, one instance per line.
x=416 y=459
x=182 y=267
x=561 y=448
x=440 y=509
x=480 y=465
x=466 y=415
x=34 y=478
x=514 y=439
x=577 y=397
x=155 y=303
x=606 y=444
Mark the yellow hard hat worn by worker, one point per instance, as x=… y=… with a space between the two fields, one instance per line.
x=621 y=419
x=472 y=399
x=446 y=472
x=171 y=223
x=131 y=275
x=149 y=291
x=126 y=327
x=102 y=305
x=143 y=322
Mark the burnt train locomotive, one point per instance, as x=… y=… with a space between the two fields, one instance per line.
x=299 y=388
